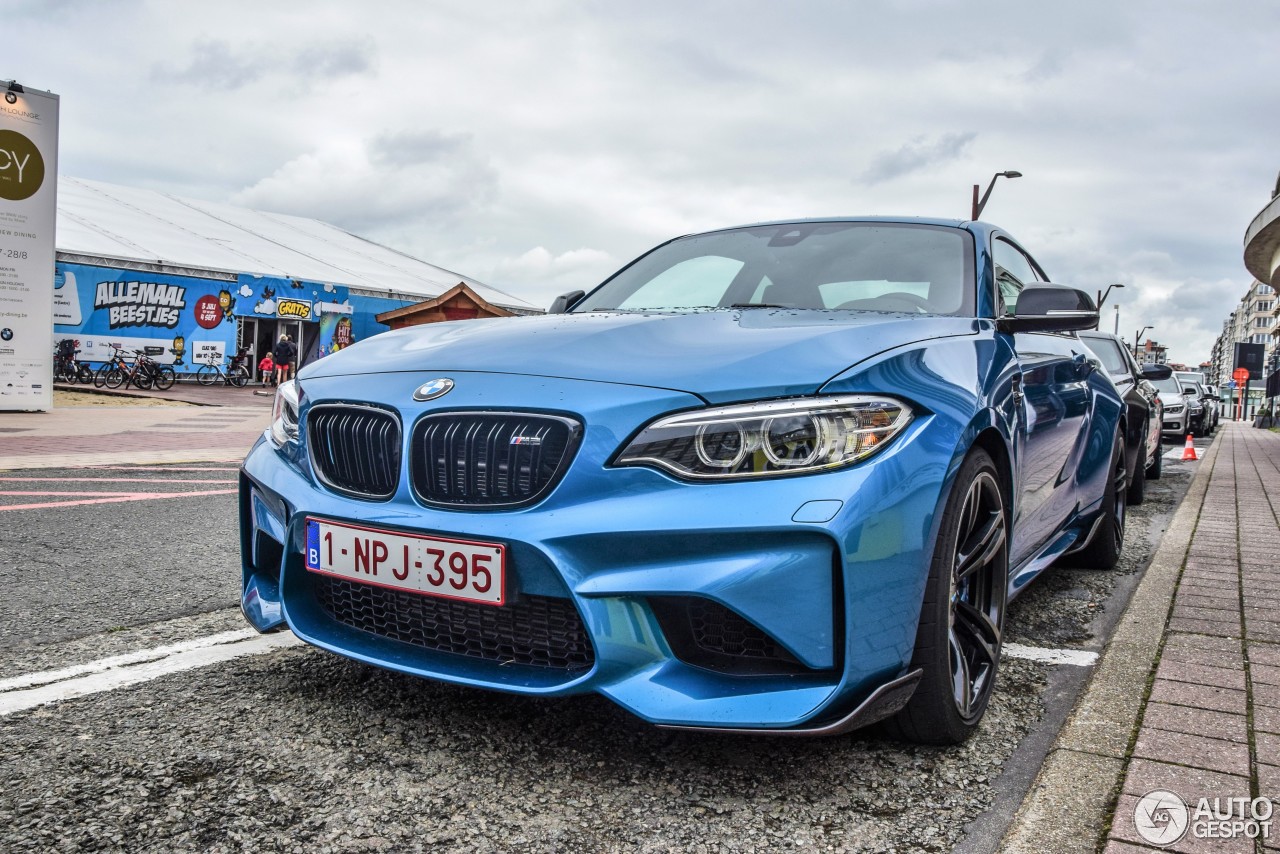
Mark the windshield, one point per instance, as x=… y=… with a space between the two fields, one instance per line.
x=1170 y=384
x=825 y=265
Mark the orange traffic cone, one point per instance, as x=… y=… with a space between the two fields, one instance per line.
x=1189 y=452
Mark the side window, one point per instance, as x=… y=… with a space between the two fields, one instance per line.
x=1112 y=356
x=1013 y=272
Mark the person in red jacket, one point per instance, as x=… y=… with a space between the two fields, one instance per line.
x=266 y=370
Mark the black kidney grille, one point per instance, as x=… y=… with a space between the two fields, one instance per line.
x=475 y=459
x=539 y=631
x=355 y=449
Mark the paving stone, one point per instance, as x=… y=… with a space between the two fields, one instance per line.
x=1266 y=718
x=1145 y=775
x=1194 y=751
x=1217 y=603
x=1204 y=627
x=1204 y=722
x=1264 y=673
x=1123 y=830
x=1265 y=653
x=1197 y=674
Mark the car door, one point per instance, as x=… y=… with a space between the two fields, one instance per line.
x=1053 y=415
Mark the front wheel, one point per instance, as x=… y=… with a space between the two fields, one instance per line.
x=100 y=376
x=961 y=622
x=84 y=374
x=238 y=376
x=165 y=377
x=114 y=378
x=207 y=375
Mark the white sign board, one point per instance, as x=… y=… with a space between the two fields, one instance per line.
x=28 y=213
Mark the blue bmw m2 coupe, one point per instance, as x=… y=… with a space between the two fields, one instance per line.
x=782 y=478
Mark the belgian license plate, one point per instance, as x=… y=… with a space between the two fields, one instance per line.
x=432 y=566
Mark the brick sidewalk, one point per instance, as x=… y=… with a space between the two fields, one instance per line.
x=106 y=435
x=1210 y=727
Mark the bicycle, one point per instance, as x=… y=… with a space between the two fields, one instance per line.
x=67 y=367
x=145 y=372
x=236 y=374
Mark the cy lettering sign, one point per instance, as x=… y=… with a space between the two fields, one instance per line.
x=21 y=167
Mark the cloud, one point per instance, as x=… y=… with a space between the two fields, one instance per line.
x=246 y=291
x=404 y=181
x=549 y=274
x=917 y=155
x=216 y=64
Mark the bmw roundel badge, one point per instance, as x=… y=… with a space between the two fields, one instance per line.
x=433 y=389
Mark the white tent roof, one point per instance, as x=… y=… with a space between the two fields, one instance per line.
x=128 y=224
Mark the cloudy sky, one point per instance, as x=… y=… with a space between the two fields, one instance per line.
x=537 y=146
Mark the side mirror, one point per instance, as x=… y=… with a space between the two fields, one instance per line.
x=564 y=302
x=1044 y=307
x=1156 y=372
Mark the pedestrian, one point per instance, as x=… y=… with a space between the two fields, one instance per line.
x=283 y=354
x=267 y=370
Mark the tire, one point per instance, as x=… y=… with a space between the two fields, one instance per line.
x=1103 y=551
x=100 y=375
x=114 y=378
x=207 y=375
x=165 y=377
x=84 y=374
x=1157 y=464
x=958 y=639
x=238 y=376
x=1138 y=483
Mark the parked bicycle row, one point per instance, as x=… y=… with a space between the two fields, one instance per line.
x=139 y=368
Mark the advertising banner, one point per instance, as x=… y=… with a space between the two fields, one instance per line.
x=189 y=319
x=28 y=214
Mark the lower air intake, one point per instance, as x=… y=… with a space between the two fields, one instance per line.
x=538 y=631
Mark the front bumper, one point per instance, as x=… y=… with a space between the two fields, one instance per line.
x=830 y=568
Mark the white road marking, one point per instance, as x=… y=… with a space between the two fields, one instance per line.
x=106 y=674
x=1076 y=657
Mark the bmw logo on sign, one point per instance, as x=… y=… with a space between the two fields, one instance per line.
x=433 y=389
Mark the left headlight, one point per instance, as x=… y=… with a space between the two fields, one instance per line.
x=284 y=415
x=768 y=439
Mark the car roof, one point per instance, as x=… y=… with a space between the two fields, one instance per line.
x=891 y=220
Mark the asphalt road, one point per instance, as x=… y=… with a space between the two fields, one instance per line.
x=299 y=750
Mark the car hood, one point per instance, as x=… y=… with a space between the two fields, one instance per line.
x=719 y=355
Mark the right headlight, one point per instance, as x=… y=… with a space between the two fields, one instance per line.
x=284 y=415
x=768 y=439
x=1173 y=408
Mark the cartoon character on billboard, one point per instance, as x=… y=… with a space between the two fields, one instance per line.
x=226 y=302
x=178 y=349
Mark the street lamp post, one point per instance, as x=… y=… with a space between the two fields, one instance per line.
x=978 y=205
x=1102 y=295
x=1136 y=337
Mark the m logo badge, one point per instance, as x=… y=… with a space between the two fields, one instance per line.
x=433 y=389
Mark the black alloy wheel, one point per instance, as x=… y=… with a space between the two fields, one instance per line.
x=961 y=622
x=1103 y=551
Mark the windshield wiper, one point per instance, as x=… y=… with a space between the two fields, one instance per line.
x=758 y=305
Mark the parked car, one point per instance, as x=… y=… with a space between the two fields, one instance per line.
x=774 y=478
x=1213 y=403
x=1143 y=450
x=1206 y=423
x=1178 y=411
